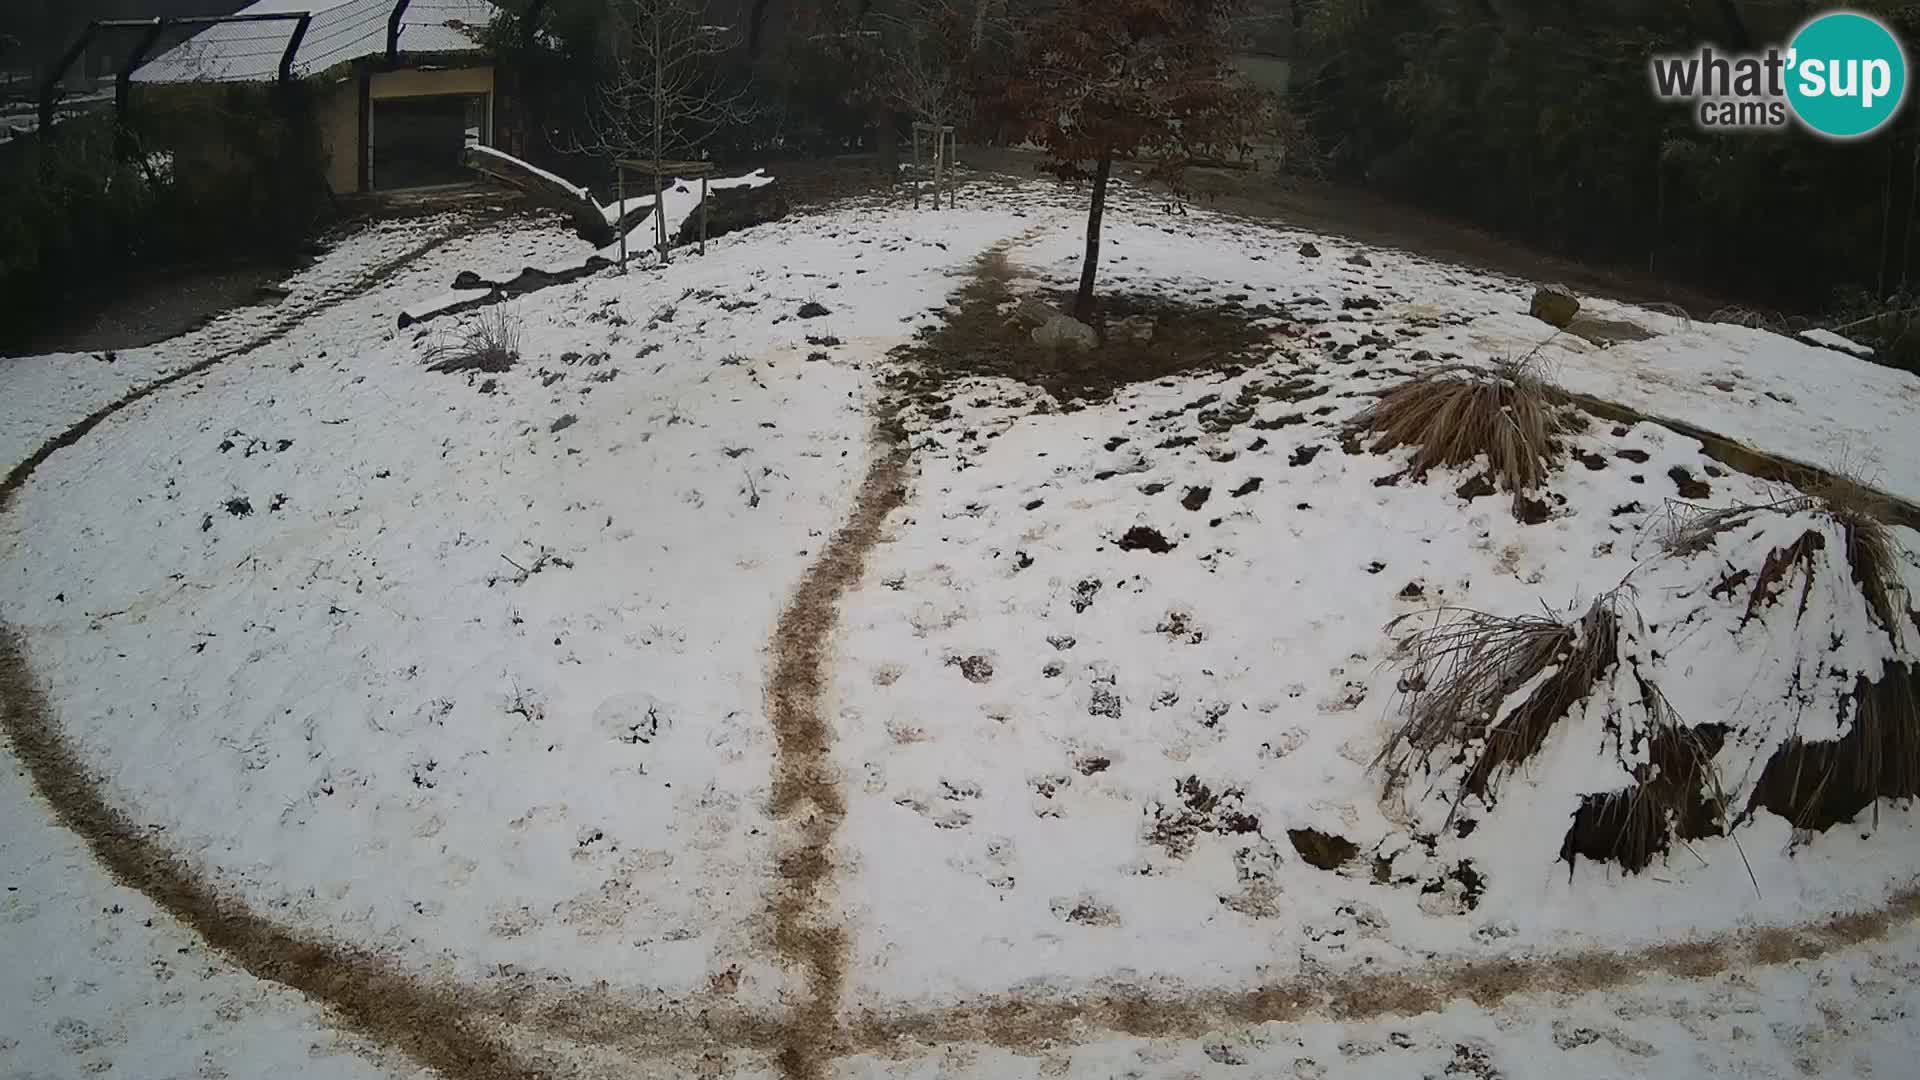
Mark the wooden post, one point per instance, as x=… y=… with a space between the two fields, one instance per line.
x=659 y=218
x=50 y=86
x=620 y=201
x=703 y=215
x=939 y=148
x=363 y=90
x=124 y=145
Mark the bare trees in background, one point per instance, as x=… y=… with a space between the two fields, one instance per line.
x=662 y=95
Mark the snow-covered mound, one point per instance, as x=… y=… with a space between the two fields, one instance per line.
x=470 y=667
x=1759 y=660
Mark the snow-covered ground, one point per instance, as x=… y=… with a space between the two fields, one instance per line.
x=470 y=669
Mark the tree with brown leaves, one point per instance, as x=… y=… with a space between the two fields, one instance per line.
x=1149 y=80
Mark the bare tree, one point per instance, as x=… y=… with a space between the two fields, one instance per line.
x=931 y=56
x=662 y=96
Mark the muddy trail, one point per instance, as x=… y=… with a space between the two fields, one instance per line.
x=509 y=1030
x=807 y=799
x=285 y=320
x=1038 y=1023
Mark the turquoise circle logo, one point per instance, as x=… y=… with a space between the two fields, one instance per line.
x=1847 y=75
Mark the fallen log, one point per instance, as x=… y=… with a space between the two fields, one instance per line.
x=544 y=188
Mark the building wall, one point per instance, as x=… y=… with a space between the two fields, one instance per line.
x=414 y=82
x=340 y=110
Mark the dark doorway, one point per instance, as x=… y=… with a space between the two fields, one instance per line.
x=417 y=141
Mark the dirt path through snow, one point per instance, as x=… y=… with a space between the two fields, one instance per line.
x=806 y=790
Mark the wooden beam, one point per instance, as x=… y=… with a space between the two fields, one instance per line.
x=683 y=170
x=393 y=31
x=123 y=88
x=363 y=146
x=59 y=71
x=293 y=46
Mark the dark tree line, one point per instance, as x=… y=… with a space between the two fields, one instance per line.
x=1535 y=118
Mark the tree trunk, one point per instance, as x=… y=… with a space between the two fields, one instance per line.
x=886 y=144
x=659 y=139
x=756 y=20
x=1083 y=302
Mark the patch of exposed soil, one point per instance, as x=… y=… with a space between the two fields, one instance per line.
x=1144 y=538
x=1324 y=850
x=1195 y=809
x=983 y=339
x=1690 y=486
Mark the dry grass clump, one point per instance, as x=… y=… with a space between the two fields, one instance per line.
x=1454 y=414
x=491 y=343
x=1873 y=553
x=1676 y=794
x=1751 y=318
x=1463 y=672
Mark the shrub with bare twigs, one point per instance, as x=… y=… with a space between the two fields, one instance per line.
x=491 y=343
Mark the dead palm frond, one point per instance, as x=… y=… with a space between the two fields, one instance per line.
x=491 y=343
x=1751 y=318
x=1676 y=794
x=1673 y=310
x=1691 y=528
x=1816 y=785
x=1454 y=414
x=1464 y=674
x=1873 y=552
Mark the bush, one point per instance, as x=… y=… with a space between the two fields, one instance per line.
x=216 y=172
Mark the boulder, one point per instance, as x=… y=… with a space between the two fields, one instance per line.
x=1065 y=332
x=1359 y=258
x=1554 y=306
x=813 y=309
x=1310 y=250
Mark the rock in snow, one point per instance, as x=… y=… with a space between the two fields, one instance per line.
x=1065 y=332
x=1554 y=306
